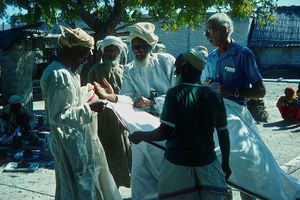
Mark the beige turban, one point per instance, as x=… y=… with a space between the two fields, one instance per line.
x=14 y=99
x=196 y=57
x=145 y=31
x=112 y=40
x=75 y=37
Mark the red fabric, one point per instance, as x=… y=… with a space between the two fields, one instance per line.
x=285 y=112
x=90 y=99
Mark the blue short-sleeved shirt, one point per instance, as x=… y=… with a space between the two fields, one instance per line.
x=236 y=68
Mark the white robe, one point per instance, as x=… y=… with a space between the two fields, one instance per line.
x=157 y=76
x=80 y=163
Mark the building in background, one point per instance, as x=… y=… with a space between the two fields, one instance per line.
x=277 y=46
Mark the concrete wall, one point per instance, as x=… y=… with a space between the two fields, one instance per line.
x=287 y=56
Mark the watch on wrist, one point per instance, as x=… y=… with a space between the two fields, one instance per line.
x=237 y=92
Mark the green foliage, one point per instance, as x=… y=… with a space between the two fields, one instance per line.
x=173 y=14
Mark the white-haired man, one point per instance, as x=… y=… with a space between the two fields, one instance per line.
x=149 y=75
x=111 y=134
x=80 y=164
x=191 y=169
x=232 y=67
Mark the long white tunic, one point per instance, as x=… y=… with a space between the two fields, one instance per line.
x=80 y=162
x=157 y=76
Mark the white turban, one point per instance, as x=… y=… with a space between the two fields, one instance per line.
x=112 y=40
x=145 y=31
x=14 y=99
x=196 y=57
x=75 y=37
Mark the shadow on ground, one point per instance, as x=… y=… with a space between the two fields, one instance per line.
x=284 y=125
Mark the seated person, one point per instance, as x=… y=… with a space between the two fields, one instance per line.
x=287 y=105
x=17 y=124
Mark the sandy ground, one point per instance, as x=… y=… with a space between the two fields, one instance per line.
x=282 y=139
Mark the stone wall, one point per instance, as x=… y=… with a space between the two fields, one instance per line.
x=276 y=56
x=17 y=64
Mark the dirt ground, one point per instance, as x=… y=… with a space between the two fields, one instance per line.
x=281 y=138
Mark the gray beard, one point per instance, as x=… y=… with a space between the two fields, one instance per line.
x=142 y=63
x=110 y=64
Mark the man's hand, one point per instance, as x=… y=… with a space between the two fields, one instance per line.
x=208 y=81
x=136 y=137
x=224 y=91
x=226 y=169
x=143 y=102
x=97 y=105
x=105 y=92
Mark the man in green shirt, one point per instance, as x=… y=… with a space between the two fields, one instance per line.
x=191 y=112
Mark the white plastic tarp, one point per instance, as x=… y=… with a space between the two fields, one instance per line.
x=253 y=165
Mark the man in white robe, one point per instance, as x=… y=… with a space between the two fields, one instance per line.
x=147 y=77
x=80 y=164
x=112 y=135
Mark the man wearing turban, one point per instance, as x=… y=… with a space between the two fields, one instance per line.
x=80 y=164
x=190 y=169
x=109 y=129
x=146 y=78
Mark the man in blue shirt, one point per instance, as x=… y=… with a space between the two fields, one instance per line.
x=231 y=67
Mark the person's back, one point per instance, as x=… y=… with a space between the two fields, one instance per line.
x=196 y=117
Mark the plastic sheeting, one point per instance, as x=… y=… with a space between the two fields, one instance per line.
x=253 y=165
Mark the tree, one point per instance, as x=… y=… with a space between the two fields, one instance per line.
x=103 y=17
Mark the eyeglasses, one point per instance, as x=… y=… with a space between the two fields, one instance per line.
x=208 y=31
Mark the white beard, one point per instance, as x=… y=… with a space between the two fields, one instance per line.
x=110 y=64
x=142 y=63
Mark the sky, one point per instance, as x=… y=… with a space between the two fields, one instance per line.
x=12 y=10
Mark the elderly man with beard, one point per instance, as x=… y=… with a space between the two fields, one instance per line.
x=110 y=69
x=80 y=164
x=148 y=76
x=112 y=136
x=190 y=169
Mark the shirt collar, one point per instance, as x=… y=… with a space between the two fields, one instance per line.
x=231 y=51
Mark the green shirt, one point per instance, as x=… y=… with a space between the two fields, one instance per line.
x=194 y=111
